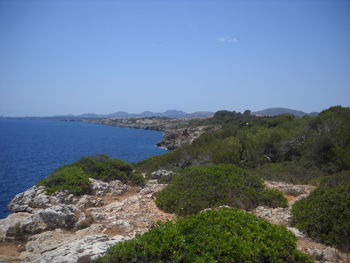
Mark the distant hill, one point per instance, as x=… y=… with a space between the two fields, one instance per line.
x=278 y=111
x=123 y=114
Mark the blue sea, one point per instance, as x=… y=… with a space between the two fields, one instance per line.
x=32 y=149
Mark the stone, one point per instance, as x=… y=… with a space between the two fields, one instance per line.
x=277 y=215
x=60 y=216
x=101 y=188
x=35 y=197
x=324 y=255
x=10 y=227
x=330 y=254
x=161 y=174
x=56 y=247
x=296 y=232
x=290 y=189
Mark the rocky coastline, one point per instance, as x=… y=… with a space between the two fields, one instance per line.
x=66 y=228
x=176 y=132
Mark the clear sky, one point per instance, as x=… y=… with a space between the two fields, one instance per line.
x=78 y=56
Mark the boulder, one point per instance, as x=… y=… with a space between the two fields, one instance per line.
x=101 y=188
x=60 y=216
x=58 y=246
x=324 y=255
x=37 y=198
x=277 y=215
x=161 y=174
x=10 y=227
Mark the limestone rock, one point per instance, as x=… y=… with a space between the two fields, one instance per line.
x=296 y=232
x=37 y=198
x=89 y=201
x=277 y=215
x=60 y=216
x=161 y=174
x=58 y=246
x=10 y=227
x=326 y=255
x=101 y=188
x=290 y=189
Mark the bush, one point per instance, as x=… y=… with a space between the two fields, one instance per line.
x=198 y=188
x=137 y=179
x=290 y=172
x=223 y=235
x=101 y=167
x=75 y=177
x=325 y=215
x=336 y=179
x=69 y=178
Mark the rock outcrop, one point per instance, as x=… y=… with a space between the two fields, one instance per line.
x=174 y=138
x=57 y=247
x=79 y=229
x=161 y=174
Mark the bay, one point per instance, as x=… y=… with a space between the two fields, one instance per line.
x=32 y=149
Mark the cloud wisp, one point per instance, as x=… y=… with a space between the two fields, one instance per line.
x=228 y=39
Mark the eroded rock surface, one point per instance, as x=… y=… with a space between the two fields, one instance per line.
x=57 y=246
x=159 y=174
x=82 y=230
x=174 y=138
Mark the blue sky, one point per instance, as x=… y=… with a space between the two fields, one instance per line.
x=61 y=57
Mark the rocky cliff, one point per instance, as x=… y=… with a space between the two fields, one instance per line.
x=64 y=228
x=177 y=132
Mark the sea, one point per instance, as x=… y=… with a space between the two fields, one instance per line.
x=32 y=149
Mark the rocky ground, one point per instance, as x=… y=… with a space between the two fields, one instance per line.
x=63 y=228
x=282 y=216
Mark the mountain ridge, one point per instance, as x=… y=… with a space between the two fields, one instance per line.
x=123 y=114
x=274 y=111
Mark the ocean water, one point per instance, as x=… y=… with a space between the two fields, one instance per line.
x=32 y=149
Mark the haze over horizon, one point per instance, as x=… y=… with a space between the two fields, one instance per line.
x=74 y=57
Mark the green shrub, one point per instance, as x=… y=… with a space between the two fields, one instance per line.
x=69 y=178
x=221 y=236
x=290 y=172
x=101 y=167
x=75 y=177
x=325 y=215
x=195 y=189
x=336 y=179
x=136 y=178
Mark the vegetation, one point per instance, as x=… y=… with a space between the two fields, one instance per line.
x=101 y=167
x=223 y=235
x=75 y=177
x=71 y=178
x=314 y=146
x=325 y=213
x=293 y=172
x=195 y=189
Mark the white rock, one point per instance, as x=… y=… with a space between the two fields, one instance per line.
x=161 y=174
x=10 y=227
x=68 y=248
x=296 y=232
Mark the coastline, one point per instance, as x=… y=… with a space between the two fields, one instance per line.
x=176 y=132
